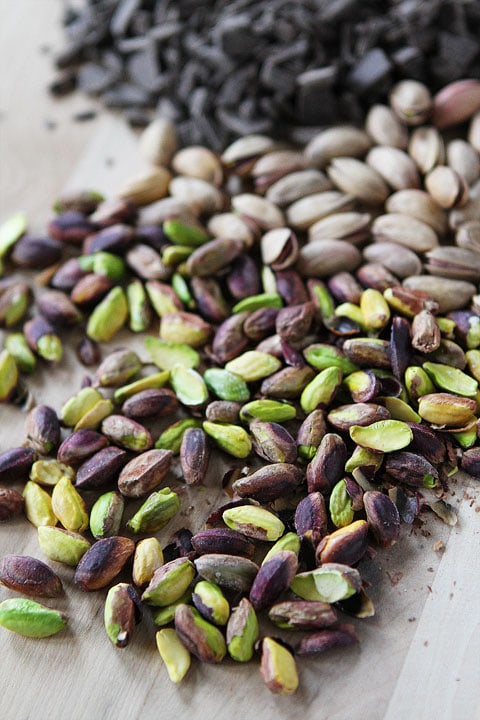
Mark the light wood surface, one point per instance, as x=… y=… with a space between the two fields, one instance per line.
x=418 y=657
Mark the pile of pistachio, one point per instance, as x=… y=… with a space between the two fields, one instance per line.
x=310 y=315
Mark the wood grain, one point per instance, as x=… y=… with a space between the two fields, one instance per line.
x=418 y=656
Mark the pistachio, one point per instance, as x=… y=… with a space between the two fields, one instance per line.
x=306 y=211
x=382 y=436
x=10 y=231
x=9 y=376
x=226 y=385
x=169 y=582
x=269 y=482
x=331 y=582
x=319 y=393
x=49 y=472
x=222 y=540
x=302 y=615
x=341 y=505
x=101 y=468
x=290 y=541
x=210 y=602
x=382 y=517
x=29 y=576
x=419 y=204
x=332 y=142
x=171 y=437
x=447 y=187
x=38 y=505
x=233 y=572
x=410 y=469
x=11 y=503
x=42 y=429
x=273 y=442
x=296 y=185
x=29 y=618
x=155 y=512
x=394 y=166
x=167 y=354
x=242 y=631
x=341 y=636
x=121 y=613
x=79 y=405
x=149 y=382
x=117 y=368
x=79 y=446
x=201 y=638
x=144 y=473
x=326 y=467
x=444 y=409
x=69 y=506
x=451 y=379
x=127 y=433
x=277 y=668
x=404 y=230
x=102 y=562
x=254 y=522
x=158 y=142
x=358 y=179
x=147 y=559
x=183 y=327
x=106 y=515
x=385 y=128
x=194 y=456
x=322 y=258
x=347 y=545
x=62 y=545
x=174 y=654
x=109 y=316
x=345 y=416
x=310 y=518
x=150 y=185
x=18 y=348
x=411 y=101
x=456 y=102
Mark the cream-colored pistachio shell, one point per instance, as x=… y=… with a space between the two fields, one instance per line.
x=351 y=226
x=263 y=212
x=404 y=230
x=420 y=205
x=411 y=101
x=198 y=162
x=344 y=140
x=158 y=142
x=447 y=187
x=395 y=166
x=426 y=148
x=148 y=186
x=231 y=225
x=247 y=148
x=201 y=196
x=474 y=132
x=385 y=128
x=463 y=158
x=296 y=185
x=306 y=211
x=355 y=178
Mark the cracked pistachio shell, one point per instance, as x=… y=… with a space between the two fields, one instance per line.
x=254 y=365
x=331 y=582
x=155 y=512
x=451 y=379
x=29 y=618
x=38 y=505
x=62 y=545
x=233 y=439
x=321 y=390
x=254 y=522
x=278 y=668
x=340 y=505
x=166 y=355
x=169 y=582
x=189 y=386
x=174 y=654
x=226 y=385
x=382 y=436
x=69 y=506
x=109 y=316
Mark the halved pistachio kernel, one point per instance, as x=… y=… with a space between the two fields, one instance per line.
x=254 y=365
x=255 y=302
x=29 y=618
x=211 y=602
x=278 y=668
x=320 y=392
x=155 y=512
x=242 y=631
x=289 y=541
x=268 y=411
x=38 y=505
x=153 y=381
x=9 y=375
x=382 y=436
x=365 y=459
x=233 y=439
x=417 y=383
x=62 y=545
x=173 y=653
x=375 y=309
x=446 y=410
x=171 y=438
x=331 y=582
x=78 y=405
x=69 y=506
x=226 y=385
x=254 y=522
x=169 y=582
x=189 y=386
x=451 y=379
x=93 y=417
x=340 y=505
x=148 y=557
x=48 y=472
x=109 y=316
x=399 y=409
x=166 y=355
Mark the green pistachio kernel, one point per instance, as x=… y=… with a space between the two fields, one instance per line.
x=382 y=436
x=340 y=505
x=226 y=385
x=29 y=618
x=232 y=438
x=166 y=355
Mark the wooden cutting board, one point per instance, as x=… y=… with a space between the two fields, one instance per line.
x=418 y=657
